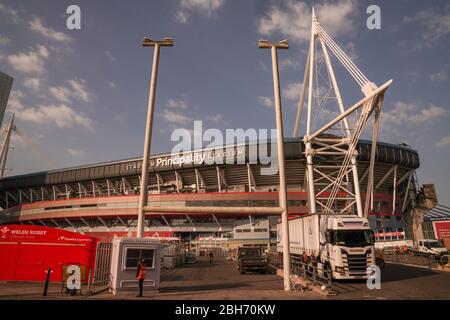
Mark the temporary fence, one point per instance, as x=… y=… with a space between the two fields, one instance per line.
x=100 y=277
x=407 y=258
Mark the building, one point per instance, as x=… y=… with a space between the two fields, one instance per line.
x=5 y=89
x=436 y=224
x=102 y=199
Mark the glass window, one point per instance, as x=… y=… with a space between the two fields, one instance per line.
x=134 y=255
x=353 y=238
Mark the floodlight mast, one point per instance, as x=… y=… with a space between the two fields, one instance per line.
x=331 y=183
x=282 y=195
x=143 y=195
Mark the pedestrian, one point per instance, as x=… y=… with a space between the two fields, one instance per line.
x=141 y=273
x=211 y=256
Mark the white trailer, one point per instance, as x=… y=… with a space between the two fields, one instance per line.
x=343 y=243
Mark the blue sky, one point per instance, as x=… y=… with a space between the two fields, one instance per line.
x=80 y=95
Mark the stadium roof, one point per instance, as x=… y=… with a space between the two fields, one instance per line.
x=438 y=213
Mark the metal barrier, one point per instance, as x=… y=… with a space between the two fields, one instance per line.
x=100 y=277
x=310 y=270
x=406 y=258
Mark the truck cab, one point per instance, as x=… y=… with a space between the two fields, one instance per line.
x=431 y=246
x=349 y=247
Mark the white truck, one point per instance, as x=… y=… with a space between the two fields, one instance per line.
x=394 y=244
x=344 y=244
x=430 y=247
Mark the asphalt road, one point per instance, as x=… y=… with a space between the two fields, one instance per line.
x=222 y=281
x=400 y=282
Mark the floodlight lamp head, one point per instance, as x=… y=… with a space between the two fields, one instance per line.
x=167 y=42
x=264 y=44
x=148 y=42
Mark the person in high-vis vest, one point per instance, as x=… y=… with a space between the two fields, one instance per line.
x=141 y=273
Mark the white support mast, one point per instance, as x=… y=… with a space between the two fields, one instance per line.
x=5 y=146
x=331 y=158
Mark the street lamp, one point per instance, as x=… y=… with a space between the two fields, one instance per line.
x=264 y=44
x=143 y=196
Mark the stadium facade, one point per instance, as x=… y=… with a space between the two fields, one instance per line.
x=102 y=199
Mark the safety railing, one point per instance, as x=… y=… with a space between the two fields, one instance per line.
x=311 y=270
x=411 y=259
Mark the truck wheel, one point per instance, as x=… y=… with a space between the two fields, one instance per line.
x=242 y=271
x=443 y=260
x=263 y=271
x=380 y=263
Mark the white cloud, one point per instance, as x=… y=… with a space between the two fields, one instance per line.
x=218 y=118
x=49 y=33
x=9 y=13
x=79 y=90
x=436 y=22
x=409 y=113
x=265 y=101
x=292 y=91
x=60 y=93
x=181 y=17
x=76 y=152
x=174 y=118
x=110 y=56
x=14 y=101
x=205 y=7
x=32 y=83
x=290 y=63
x=61 y=115
x=438 y=76
x=111 y=84
x=350 y=50
x=4 y=40
x=29 y=62
x=445 y=141
x=174 y=103
x=293 y=19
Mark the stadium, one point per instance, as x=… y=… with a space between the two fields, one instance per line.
x=101 y=199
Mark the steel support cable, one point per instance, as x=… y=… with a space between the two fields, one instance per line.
x=298 y=117
x=375 y=131
x=343 y=58
x=349 y=155
x=352 y=147
x=351 y=68
x=361 y=123
x=333 y=82
x=343 y=55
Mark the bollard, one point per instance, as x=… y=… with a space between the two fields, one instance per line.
x=47 y=280
x=89 y=281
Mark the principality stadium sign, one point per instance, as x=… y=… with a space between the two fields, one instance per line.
x=201 y=157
